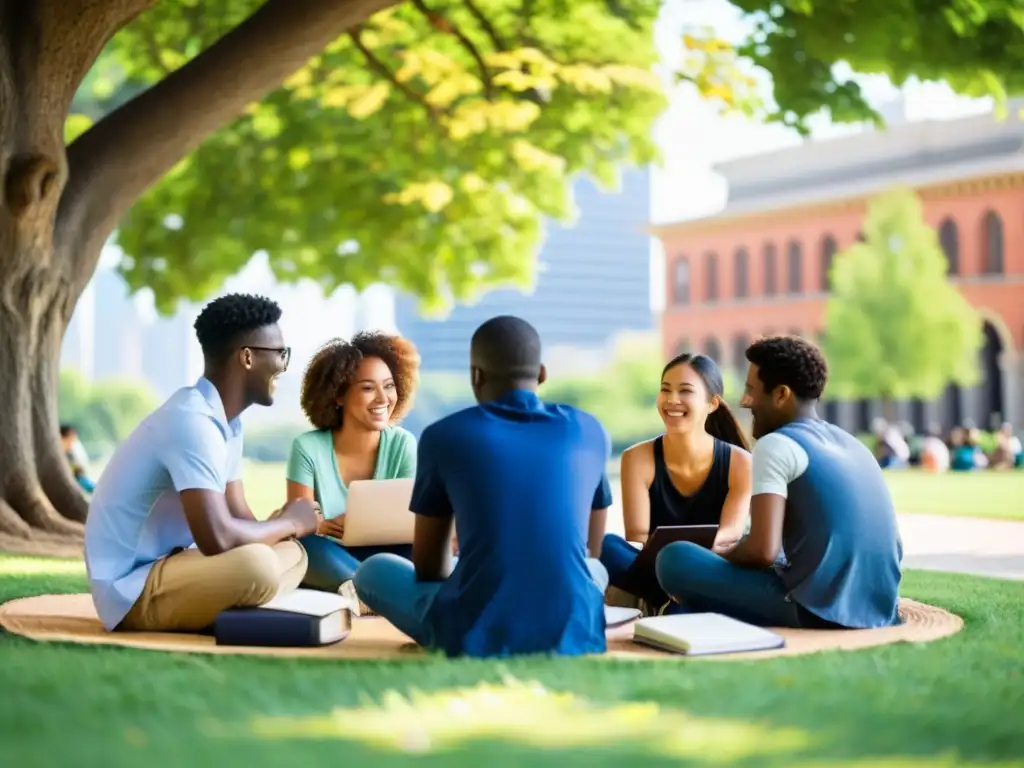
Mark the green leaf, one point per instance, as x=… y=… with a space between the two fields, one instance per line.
x=75 y=126
x=481 y=153
x=895 y=326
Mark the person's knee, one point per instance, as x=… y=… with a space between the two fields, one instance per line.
x=368 y=574
x=609 y=542
x=676 y=562
x=257 y=570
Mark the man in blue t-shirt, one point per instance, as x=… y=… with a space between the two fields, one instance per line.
x=824 y=550
x=524 y=484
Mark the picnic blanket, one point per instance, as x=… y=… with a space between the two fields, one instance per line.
x=72 y=619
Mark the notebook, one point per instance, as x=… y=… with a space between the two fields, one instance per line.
x=701 y=634
x=301 y=618
x=616 y=616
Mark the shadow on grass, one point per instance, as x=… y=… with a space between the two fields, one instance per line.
x=949 y=702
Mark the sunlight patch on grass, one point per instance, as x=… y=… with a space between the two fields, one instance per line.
x=947 y=760
x=528 y=713
x=40 y=566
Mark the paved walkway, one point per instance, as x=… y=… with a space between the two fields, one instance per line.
x=964 y=545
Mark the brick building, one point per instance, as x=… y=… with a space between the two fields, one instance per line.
x=760 y=266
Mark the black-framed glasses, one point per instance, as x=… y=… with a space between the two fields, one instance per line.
x=285 y=352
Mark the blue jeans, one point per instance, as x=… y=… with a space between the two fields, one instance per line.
x=332 y=564
x=387 y=584
x=703 y=581
x=618 y=557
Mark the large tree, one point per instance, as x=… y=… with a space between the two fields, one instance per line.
x=421 y=146
x=895 y=326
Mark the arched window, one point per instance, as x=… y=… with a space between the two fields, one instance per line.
x=993 y=251
x=795 y=267
x=949 y=239
x=771 y=270
x=713 y=349
x=682 y=346
x=741 y=273
x=828 y=253
x=681 y=281
x=711 y=276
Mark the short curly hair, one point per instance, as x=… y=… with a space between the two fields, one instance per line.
x=227 y=319
x=792 y=361
x=330 y=373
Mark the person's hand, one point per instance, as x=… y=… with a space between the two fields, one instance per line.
x=334 y=527
x=303 y=514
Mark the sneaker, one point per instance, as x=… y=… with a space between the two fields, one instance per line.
x=357 y=606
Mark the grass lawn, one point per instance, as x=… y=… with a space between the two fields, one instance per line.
x=956 y=701
x=979 y=494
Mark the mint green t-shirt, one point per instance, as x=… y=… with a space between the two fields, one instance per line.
x=313 y=464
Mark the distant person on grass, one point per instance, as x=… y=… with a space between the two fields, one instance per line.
x=819 y=498
x=696 y=473
x=78 y=459
x=353 y=393
x=524 y=483
x=170 y=541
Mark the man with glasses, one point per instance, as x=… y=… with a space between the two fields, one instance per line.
x=170 y=541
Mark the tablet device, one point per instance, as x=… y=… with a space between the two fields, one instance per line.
x=641 y=579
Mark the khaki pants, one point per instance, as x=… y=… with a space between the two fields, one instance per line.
x=186 y=591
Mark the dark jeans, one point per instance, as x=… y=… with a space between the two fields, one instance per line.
x=705 y=582
x=332 y=564
x=618 y=557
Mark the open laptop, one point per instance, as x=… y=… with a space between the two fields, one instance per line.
x=377 y=513
x=641 y=579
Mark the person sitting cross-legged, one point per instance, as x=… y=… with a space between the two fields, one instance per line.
x=524 y=483
x=354 y=393
x=819 y=499
x=170 y=541
x=696 y=473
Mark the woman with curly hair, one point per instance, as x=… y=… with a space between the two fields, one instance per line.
x=353 y=393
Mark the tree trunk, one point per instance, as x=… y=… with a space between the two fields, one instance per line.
x=27 y=509
x=45 y=49
x=58 y=205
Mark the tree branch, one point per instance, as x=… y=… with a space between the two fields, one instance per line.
x=133 y=147
x=485 y=24
x=55 y=42
x=381 y=69
x=439 y=22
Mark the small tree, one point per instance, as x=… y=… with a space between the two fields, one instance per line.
x=896 y=328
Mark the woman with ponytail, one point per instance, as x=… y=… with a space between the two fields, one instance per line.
x=696 y=473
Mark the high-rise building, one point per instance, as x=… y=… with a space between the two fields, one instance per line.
x=593 y=282
x=117 y=329
x=169 y=353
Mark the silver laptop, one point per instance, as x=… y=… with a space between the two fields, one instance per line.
x=377 y=512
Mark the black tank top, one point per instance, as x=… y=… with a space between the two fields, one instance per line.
x=670 y=507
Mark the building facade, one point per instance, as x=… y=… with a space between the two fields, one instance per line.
x=761 y=265
x=593 y=282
